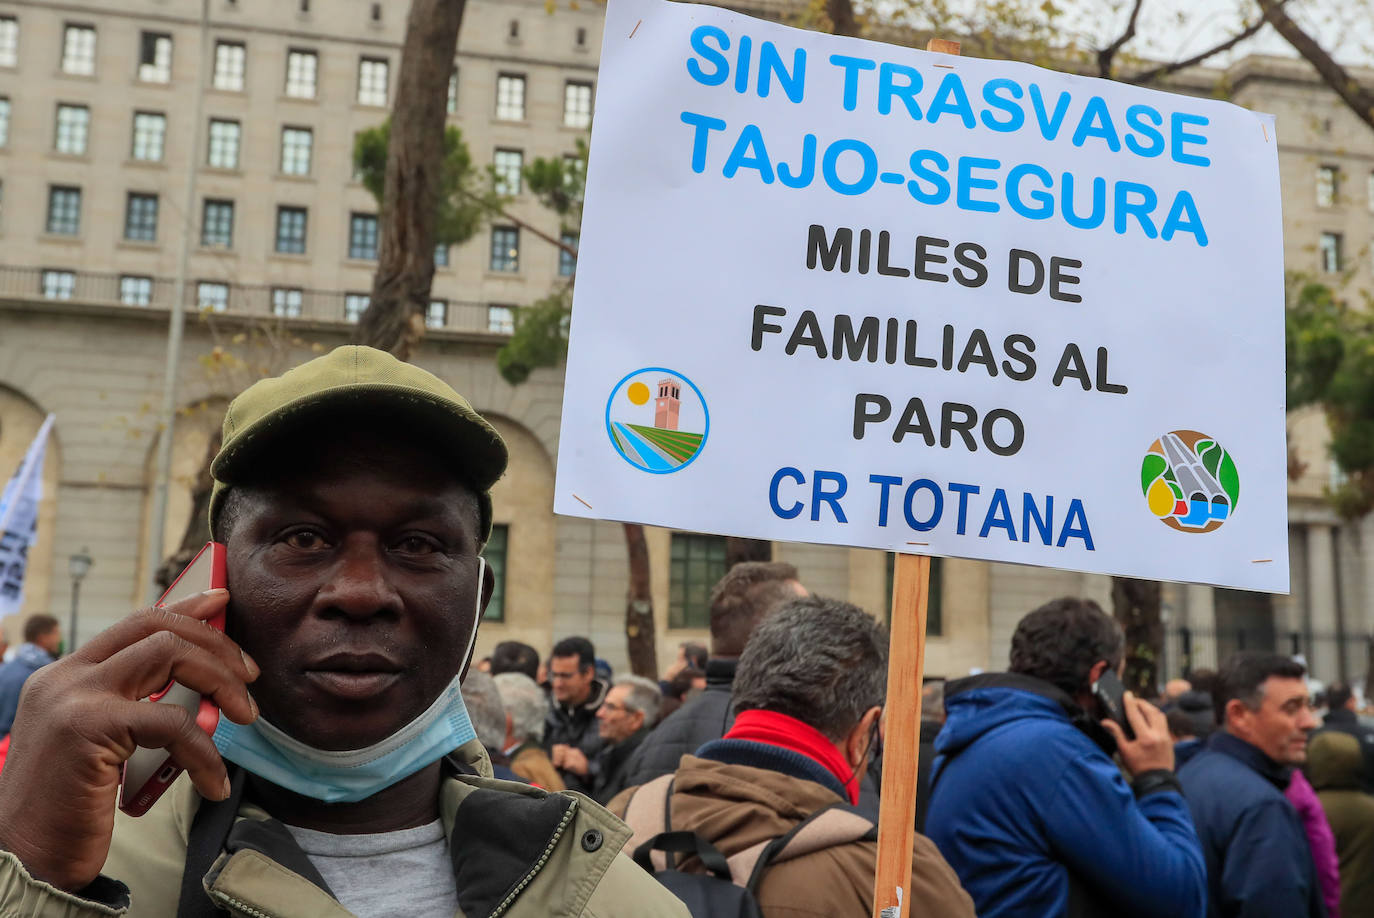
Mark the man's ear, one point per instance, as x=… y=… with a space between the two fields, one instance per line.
x=1235 y=710
x=488 y=587
x=856 y=744
x=1096 y=672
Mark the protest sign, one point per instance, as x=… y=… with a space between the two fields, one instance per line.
x=842 y=292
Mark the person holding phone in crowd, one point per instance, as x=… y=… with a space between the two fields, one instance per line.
x=1026 y=801
x=353 y=496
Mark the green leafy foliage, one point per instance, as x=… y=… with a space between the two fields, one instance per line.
x=1330 y=353
x=468 y=195
x=541 y=329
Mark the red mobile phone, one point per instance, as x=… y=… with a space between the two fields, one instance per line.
x=149 y=772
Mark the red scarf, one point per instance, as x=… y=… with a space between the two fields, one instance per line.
x=789 y=733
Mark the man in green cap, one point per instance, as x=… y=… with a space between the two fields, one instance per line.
x=353 y=496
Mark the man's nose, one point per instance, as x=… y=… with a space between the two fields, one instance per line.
x=359 y=585
x=1308 y=720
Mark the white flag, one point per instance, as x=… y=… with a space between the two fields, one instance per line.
x=19 y=521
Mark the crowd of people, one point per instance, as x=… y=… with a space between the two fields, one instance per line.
x=362 y=767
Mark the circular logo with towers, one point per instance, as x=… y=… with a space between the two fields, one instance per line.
x=657 y=420
x=1190 y=481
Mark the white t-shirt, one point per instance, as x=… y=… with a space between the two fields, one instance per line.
x=402 y=874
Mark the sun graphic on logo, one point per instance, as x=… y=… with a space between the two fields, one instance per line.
x=657 y=420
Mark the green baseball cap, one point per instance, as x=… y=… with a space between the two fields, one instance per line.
x=356 y=382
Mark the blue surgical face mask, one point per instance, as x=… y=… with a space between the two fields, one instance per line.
x=347 y=776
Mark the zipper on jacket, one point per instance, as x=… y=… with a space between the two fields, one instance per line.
x=528 y=878
x=241 y=907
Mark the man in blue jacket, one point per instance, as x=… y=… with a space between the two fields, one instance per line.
x=1027 y=804
x=1259 y=864
x=42 y=639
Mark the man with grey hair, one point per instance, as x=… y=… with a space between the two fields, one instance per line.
x=488 y=716
x=624 y=719
x=526 y=709
x=808 y=694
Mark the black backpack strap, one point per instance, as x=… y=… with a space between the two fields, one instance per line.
x=648 y=814
x=828 y=827
x=684 y=843
x=209 y=829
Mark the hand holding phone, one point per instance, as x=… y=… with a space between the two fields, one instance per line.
x=149 y=772
x=1148 y=746
x=80 y=719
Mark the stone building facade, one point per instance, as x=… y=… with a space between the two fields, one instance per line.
x=99 y=133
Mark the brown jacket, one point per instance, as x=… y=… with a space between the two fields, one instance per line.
x=531 y=762
x=737 y=806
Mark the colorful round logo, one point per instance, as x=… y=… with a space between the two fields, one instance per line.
x=1190 y=482
x=657 y=420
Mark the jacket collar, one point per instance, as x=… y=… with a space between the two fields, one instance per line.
x=588 y=707
x=1073 y=712
x=772 y=758
x=720 y=672
x=1251 y=756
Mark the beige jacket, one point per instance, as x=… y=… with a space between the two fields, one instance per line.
x=518 y=852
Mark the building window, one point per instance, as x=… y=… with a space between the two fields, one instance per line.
x=213 y=296
x=135 y=291
x=217 y=228
x=64 y=210
x=567 y=264
x=291 y=230
x=696 y=562
x=362 y=236
x=230 y=58
x=9 y=41
x=507 y=165
x=58 y=285
x=1331 y=252
x=140 y=218
x=73 y=126
x=437 y=314
x=1328 y=178
x=452 y=104
x=155 y=57
x=935 y=622
x=495 y=553
x=78 y=50
x=501 y=320
x=372 y=78
x=510 y=97
x=150 y=132
x=441 y=256
x=302 y=73
x=505 y=248
x=296 y=144
x=224 y=144
x=581 y=38
x=577 y=105
x=4 y=121
x=286 y=302
x=355 y=304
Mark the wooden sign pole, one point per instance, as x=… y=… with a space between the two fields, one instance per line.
x=906 y=661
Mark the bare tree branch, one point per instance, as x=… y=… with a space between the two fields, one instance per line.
x=1155 y=73
x=1108 y=54
x=1358 y=98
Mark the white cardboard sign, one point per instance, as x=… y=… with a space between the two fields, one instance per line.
x=843 y=292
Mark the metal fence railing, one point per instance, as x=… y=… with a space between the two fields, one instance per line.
x=1329 y=656
x=49 y=284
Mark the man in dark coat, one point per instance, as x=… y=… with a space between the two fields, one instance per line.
x=1259 y=864
x=743 y=598
x=42 y=638
x=1342 y=717
x=571 y=736
x=623 y=720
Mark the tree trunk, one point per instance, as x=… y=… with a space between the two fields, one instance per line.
x=1135 y=603
x=395 y=318
x=639 y=606
x=737 y=550
x=198 y=527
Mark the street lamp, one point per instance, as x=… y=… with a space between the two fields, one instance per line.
x=78 y=565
